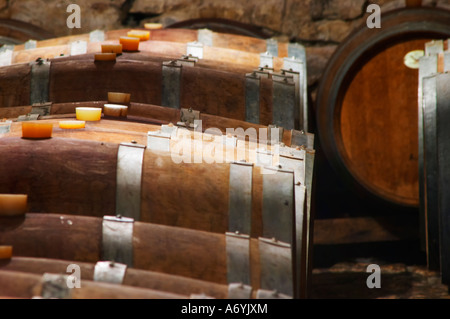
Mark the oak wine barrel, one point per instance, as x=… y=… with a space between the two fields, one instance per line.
x=16 y=32
x=18 y=284
x=173 y=50
x=156 y=53
x=158 y=115
x=177 y=35
x=77 y=172
x=171 y=250
x=208 y=90
x=132 y=277
x=367 y=106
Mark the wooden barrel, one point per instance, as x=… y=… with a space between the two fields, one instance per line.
x=133 y=277
x=16 y=32
x=367 y=107
x=82 y=168
x=171 y=250
x=177 y=35
x=158 y=115
x=16 y=284
x=147 y=82
x=142 y=79
x=173 y=50
x=157 y=52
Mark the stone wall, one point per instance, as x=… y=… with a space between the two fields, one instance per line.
x=319 y=24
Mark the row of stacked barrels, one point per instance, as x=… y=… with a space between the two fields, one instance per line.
x=155 y=163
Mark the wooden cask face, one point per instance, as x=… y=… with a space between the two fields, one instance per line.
x=378 y=126
x=367 y=106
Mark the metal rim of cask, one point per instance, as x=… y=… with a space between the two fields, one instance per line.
x=159 y=83
x=261 y=265
x=125 y=276
x=356 y=52
x=55 y=286
x=16 y=32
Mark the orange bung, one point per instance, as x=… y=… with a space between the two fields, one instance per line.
x=5 y=252
x=105 y=57
x=115 y=110
x=129 y=43
x=112 y=48
x=36 y=130
x=13 y=204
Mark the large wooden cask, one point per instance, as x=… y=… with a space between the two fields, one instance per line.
x=130 y=277
x=173 y=50
x=367 y=112
x=259 y=263
x=225 y=90
x=157 y=115
x=16 y=284
x=15 y=32
x=82 y=171
x=176 y=35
